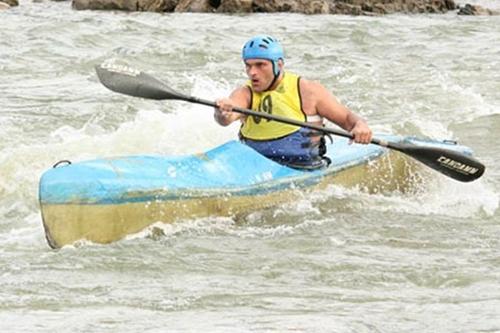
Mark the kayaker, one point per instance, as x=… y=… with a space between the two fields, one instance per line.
x=270 y=89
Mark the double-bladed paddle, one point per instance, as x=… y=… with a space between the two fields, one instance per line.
x=129 y=81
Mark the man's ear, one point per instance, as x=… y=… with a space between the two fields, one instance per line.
x=281 y=64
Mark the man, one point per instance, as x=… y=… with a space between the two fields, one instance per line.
x=270 y=89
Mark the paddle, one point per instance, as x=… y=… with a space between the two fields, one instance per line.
x=129 y=81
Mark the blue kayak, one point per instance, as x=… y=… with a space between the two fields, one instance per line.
x=106 y=199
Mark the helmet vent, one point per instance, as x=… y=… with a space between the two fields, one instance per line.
x=262 y=47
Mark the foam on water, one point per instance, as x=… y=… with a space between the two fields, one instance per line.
x=391 y=262
x=227 y=226
x=439 y=197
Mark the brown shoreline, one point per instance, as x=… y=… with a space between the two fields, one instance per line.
x=311 y=7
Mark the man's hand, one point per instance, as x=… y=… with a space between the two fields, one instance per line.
x=224 y=111
x=361 y=132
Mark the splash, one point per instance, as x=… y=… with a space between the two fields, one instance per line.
x=435 y=196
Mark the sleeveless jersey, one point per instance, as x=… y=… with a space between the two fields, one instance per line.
x=283 y=101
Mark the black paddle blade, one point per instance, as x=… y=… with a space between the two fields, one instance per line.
x=451 y=163
x=132 y=82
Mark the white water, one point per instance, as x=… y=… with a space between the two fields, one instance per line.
x=336 y=261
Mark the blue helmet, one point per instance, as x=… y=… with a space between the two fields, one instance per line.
x=264 y=47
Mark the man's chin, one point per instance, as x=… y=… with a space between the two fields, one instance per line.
x=257 y=88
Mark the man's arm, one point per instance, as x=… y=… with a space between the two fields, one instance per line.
x=240 y=97
x=326 y=105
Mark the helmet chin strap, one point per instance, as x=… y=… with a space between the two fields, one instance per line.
x=276 y=72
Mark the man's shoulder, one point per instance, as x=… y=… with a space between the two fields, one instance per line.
x=244 y=90
x=310 y=86
x=242 y=96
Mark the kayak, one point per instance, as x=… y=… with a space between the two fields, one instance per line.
x=104 y=200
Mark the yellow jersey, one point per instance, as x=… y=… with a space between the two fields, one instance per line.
x=283 y=101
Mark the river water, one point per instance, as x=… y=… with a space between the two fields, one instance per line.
x=337 y=260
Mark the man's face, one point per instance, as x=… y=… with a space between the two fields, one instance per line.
x=260 y=73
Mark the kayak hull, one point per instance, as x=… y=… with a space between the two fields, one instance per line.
x=105 y=200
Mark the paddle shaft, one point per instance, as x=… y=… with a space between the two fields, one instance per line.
x=284 y=120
